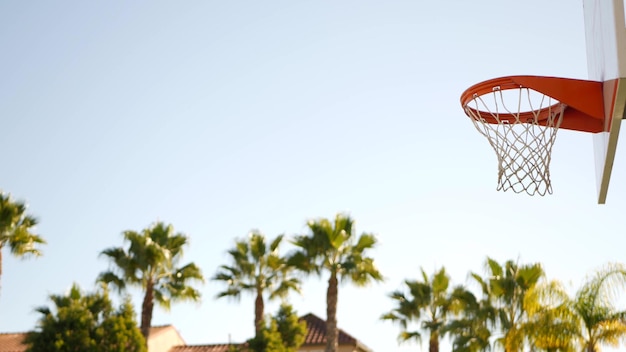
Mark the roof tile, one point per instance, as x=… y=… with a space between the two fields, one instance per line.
x=12 y=342
x=316 y=332
x=201 y=348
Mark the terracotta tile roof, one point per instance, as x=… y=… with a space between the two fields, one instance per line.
x=316 y=332
x=12 y=342
x=201 y=348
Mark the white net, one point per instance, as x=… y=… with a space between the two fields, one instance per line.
x=521 y=126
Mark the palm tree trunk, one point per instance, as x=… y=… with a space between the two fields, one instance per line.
x=259 y=307
x=146 y=310
x=332 y=337
x=434 y=342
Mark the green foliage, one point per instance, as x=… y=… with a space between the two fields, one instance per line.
x=273 y=339
x=333 y=247
x=284 y=333
x=86 y=323
x=257 y=268
x=150 y=259
x=427 y=302
x=292 y=331
x=470 y=328
x=586 y=321
x=151 y=262
x=16 y=229
x=541 y=315
x=505 y=287
x=254 y=265
x=268 y=341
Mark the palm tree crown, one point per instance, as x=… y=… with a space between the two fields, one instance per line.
x=151 y=263
x=470 y=328
x=257 y=268
x=428 y=301
x=331 y=247
x=585 y=322
x=506 y=286
x=16 y=229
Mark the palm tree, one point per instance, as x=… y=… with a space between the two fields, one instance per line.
x=428 y=302
x=150 y=262
x=256 y=268
x=589 y=320
x=470 y=328
x=16 y=229
x=505 y=286
x=552 y=325
x=331 y=247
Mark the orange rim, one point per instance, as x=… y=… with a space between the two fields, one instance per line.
x=581 y=99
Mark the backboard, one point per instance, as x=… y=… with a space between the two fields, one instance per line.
x=605 y=34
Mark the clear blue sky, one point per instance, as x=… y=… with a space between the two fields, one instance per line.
x=224 y=116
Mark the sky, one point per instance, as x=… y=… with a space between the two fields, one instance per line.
x=220 y=117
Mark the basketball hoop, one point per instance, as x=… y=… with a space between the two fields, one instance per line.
x=520 y=117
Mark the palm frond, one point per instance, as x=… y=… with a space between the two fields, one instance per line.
x=163 y=299
x=254 y=265
x=150 y=259
x=22 y=242
x=366 y=241
x=110 y=278
x=410 y=335
x=611 y=332
x=16 y=228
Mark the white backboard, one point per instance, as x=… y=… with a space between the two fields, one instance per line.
x=605 y=34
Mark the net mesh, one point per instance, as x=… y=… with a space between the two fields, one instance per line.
x=521 y=126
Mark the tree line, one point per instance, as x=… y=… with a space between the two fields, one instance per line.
x=512 y=307
x=516 y=309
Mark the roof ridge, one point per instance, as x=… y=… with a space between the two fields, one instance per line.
x=316 y=330
x=222 y=347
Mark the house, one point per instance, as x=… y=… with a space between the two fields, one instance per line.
x=315 y=340
x=162 y=338
x=167 y=339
